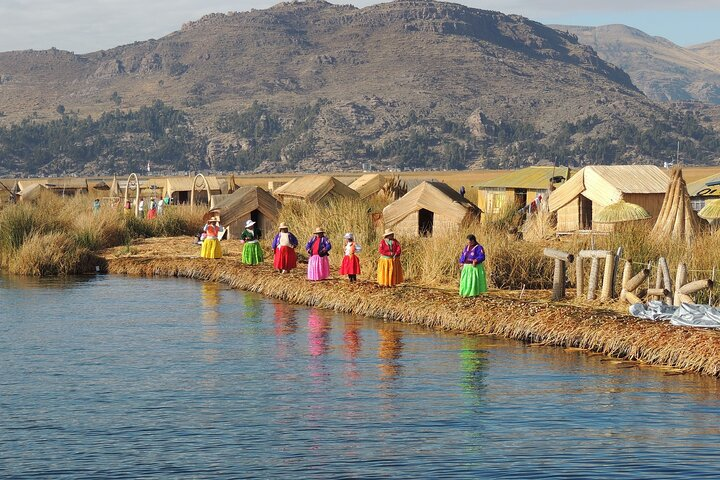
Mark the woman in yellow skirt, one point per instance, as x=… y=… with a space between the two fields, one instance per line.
x=389 y=269
x=211 y=245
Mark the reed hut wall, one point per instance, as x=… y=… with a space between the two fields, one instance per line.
x=247 y=203
x=579 y=200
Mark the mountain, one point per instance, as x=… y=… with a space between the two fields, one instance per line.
x=710 y=51
x=315 y=86
x=661 y=69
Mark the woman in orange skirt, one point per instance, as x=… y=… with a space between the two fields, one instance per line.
x=389 y=269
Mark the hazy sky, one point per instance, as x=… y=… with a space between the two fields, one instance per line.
x=89 y=25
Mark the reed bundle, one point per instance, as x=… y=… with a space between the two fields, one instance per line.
x=677 y=219
x=655 y=343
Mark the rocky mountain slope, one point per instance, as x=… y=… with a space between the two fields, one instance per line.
x=315 y=86
x=661 y=69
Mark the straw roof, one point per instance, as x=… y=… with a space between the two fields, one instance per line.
x=606 y=184
x=536 y=178
x=621 y=211
x=711 y=210
x=700 y=188
x=433 y=196
x=243 y=201
x=185 y=184
x=677 y=219
x=368 y=185
x=30 y=191
x=313 y=188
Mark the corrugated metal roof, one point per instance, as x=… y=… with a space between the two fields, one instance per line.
x=700 y=186
x=530 y=178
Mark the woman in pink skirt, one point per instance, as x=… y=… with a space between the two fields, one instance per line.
x=318 y=249
x=351 y=263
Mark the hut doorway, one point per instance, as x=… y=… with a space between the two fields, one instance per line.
x=183 y=197
x=426 y=219
x=586 y=213
x=520 y=197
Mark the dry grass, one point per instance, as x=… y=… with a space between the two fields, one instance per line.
x=655 y=343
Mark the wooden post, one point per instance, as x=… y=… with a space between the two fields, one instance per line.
x=592 y=282
x=627 y=275
x=680 y=280
x=607 y=286
x=579 y=277
x=558 y=281
x=637 y=280
x=559 y=274
x=667 y=284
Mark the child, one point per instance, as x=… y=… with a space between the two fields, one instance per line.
x=351 y=263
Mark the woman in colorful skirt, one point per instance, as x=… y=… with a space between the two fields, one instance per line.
x=472 y=276
x=211 y=244
x=351 y=263
x=284 y=245
x=318 y=249
x=252 y=253
x=389 y=269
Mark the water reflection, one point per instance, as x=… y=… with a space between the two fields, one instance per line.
x=285 y=327
x=473 y=362
x=352 y=344
x=210 y=294
x=389 y=352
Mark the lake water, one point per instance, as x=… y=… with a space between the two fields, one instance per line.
x=114 y=377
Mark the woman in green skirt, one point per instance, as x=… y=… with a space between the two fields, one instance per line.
x=472 y=276
x=252 y=253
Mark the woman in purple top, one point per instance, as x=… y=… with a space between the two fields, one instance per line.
x=318 y=249
x=472 y=276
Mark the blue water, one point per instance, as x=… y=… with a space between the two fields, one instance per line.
x=114 y=377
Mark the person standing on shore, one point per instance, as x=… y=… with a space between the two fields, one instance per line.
x=472 y=276
x=318 y=249
x=284 y=245
x=141 y=208
x=389 y=271
x=351 y=263
x=211 y=244
x=252 y=253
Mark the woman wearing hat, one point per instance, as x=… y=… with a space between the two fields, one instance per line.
x=472 y=276
x=252 y=253
x=284 y=245
x=389 y=269
x=351 y=263
x=318 y=248
x=211 y=244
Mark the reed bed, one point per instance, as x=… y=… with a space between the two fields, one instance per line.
x=616 y=335
x=61 y=236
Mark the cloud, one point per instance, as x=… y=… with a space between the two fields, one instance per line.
x=89 y=25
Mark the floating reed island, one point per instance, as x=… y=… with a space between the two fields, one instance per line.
x=558 y=324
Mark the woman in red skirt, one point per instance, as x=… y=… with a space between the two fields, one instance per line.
x=351 y=263
x=284 y=246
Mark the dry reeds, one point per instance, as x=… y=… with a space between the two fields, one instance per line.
x=564 y=325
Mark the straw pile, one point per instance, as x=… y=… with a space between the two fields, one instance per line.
x=565 y=325
x=677 y=219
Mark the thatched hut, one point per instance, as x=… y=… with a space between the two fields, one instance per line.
x=369 y=185
x=314 y=188
x=29 y=191
x=429 y=208
x=703 y=191
x=66 y=187
x=579 y=200
x=180 y=188
x=519 y=187
x=246 y=203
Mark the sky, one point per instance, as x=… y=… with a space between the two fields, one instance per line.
x=84 y=26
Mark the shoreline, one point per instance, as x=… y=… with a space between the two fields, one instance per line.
x=552 y=324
